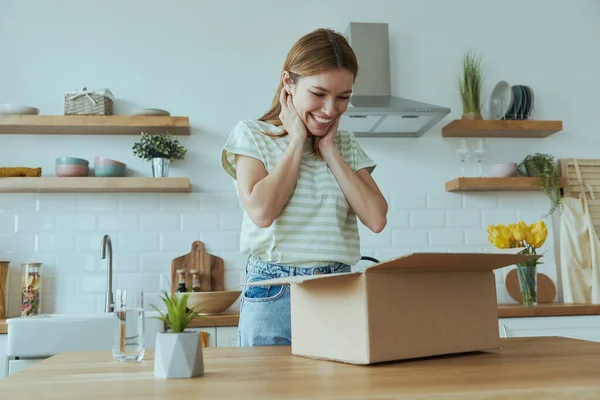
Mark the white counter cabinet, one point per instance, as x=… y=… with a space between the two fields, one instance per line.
x=220 y=336
x=584 y=327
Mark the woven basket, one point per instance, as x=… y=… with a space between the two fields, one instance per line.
x=82 y=102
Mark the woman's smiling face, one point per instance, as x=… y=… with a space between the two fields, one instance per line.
x=321 y=98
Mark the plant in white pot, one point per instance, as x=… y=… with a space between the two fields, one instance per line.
x=178 y=354
x=161 y=149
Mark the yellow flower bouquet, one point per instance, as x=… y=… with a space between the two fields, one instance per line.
x=530 y=238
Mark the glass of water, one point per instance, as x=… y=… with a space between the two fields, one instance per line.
x=128 y=342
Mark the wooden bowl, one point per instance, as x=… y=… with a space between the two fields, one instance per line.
x=212 y=302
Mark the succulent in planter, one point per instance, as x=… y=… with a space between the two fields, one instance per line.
x=470 y=84
x=543 y=167
x=161 y=149
x=178 y=354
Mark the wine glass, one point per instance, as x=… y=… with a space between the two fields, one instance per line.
x=480 y=152
x=463 y=153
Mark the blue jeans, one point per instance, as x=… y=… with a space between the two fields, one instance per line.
x=265 y=310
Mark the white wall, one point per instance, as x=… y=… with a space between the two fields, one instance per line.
x=219 y=62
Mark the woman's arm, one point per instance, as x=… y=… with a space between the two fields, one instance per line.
x=263 y=194
x=360 y=189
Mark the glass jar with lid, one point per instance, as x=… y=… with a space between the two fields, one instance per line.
x=31 y=289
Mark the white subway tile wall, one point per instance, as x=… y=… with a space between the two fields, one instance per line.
x=149 y=230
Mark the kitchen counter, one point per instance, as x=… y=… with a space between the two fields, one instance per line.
x=504 y=311
x=547 y=310
x=230 y=319
x=531 y=368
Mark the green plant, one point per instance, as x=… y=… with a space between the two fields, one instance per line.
x=470 y=83
x=162 y=145
x=544 y=168
x=178 y=315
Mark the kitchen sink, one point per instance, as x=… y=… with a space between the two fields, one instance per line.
x=43 y=336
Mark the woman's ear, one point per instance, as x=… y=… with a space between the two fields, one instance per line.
x=287 y=82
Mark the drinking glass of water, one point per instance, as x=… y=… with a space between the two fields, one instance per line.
x=128 y=342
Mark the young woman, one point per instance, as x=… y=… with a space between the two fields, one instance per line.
x=302 y=184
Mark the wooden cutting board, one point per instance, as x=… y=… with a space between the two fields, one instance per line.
x=209 y=267
x=546 y=288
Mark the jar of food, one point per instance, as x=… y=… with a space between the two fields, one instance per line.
x=3 y=287
x=31 y=289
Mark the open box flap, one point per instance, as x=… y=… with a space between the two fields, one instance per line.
x=286 y=280
x=425 y=262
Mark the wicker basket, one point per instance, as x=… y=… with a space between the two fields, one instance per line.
x=87 y=102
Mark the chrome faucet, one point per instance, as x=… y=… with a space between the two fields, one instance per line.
x=109 y=303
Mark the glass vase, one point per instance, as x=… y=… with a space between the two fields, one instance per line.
x=528 y=284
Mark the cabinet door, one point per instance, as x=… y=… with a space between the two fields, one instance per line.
x=227 y=336
x=212 y=334
x=15 y=366
x=3 y=359
x=584 y=327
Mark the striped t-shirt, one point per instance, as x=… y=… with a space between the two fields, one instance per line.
x=317 y=225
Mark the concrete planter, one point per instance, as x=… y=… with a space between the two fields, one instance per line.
x=178 y=355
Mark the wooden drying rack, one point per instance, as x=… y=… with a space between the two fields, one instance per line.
x=209 y=267
x=590 y=175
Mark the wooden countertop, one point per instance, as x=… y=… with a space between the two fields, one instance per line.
x=524 y=368
x=216 y=320
x=547 y=310
x=504 y=311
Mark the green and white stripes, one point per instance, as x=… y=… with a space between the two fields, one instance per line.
x=317 y=225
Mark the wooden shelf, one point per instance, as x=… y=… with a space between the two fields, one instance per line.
x=93 y=185
x=501 y=129
x=92 y=124
x=492 y=184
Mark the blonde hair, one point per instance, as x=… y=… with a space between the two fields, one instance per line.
x=315 y=52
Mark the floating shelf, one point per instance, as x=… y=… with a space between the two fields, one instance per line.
x=493 y=184
x=501 y=128
x=92 y=124
x=93 y=185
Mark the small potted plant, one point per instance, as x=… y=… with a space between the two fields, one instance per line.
x=470 y=83
x=543 y=167
x=161 y=149
x=178 y=353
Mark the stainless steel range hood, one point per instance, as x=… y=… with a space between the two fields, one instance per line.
x=373 y=111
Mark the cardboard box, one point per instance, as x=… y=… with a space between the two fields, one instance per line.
x=416 y=305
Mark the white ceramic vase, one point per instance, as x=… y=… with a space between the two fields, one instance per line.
x=178 y=355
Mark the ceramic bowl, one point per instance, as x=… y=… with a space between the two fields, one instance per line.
x=71 y=160
x=504 y=170
x=212 y=302
x=107 y=170
x=107 y=161
x=71 y=166
x=71 y=170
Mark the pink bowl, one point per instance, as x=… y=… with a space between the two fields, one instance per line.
x=504 y=170
x=107 y=161
x=71 y=170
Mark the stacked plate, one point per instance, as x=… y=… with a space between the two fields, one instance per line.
x=10 y=108
x=511 y=102
x=150 y=111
